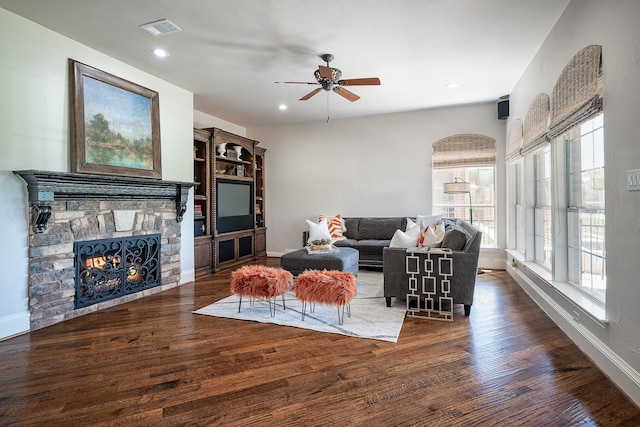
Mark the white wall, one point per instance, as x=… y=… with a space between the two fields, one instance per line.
x=34 y=134
x=204 y=120
x=615 y=26
x=371 y=166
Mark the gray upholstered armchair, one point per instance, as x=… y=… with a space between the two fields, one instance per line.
x=465 y=262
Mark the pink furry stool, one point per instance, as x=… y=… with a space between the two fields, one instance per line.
x=326 y=287
x=259 y=281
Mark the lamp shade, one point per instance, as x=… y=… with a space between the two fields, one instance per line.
x=457 y=187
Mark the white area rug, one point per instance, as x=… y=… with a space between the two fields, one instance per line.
x=370 y=317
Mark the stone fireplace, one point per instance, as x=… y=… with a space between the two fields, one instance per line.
x=68 y=209
x=107 y=269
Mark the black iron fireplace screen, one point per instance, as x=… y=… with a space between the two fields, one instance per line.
x=111 y=268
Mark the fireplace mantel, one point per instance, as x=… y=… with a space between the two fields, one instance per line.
x=45 y=187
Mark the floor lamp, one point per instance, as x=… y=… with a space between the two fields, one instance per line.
x=457 y=187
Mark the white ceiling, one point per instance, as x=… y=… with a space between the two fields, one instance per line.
x=230 y=52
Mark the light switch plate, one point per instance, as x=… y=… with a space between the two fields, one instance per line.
x=633 y=180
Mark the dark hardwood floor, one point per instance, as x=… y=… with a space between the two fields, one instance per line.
x=151 y=362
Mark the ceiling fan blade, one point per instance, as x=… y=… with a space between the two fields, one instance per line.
x=346 y=94
x=300 y=83
x=325 y=72
x=310 y=94
x=360 y=82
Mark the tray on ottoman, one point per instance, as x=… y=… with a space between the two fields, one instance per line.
x=298 y=261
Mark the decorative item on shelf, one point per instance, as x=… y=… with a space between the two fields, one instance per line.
x=240 y=169
x=221 y=171
x=232 y=154
x=238 y=149
x=195 y=152
x=222 y=149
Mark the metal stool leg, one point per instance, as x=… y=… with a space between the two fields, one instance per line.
x=240 y=303
x=272 y=307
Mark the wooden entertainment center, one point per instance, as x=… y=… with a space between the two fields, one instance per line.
x=229 y=222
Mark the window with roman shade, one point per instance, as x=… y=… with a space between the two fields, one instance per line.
x=514 y=141
x=577 y=94
x=516 y=212
x=536 y=125
x=469 y=158
x=462 y=150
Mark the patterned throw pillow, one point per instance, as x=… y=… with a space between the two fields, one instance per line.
x=336 y=226
x=432 y=235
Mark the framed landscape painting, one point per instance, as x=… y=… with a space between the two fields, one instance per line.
x=115 y=125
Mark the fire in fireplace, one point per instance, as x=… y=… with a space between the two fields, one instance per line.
x=111 y=268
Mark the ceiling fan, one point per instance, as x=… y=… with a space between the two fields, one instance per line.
x=329 y=79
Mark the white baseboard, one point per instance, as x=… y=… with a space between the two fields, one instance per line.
x=187 y=276
x=611 y=364
x=14 y=324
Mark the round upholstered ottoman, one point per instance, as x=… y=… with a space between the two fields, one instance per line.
x=326 y=287
x=346 y=259
x=259 y=281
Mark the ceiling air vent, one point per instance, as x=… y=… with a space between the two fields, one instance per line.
x=160 y=28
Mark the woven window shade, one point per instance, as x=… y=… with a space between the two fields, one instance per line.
x=577 y=95
x=536 y=124
x=464 y=150
x=514 y=141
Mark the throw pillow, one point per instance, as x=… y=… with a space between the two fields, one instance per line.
x=428 y=237
x=405 y=239
x=454 y=239
x=425 y=220
x=318 y=231
x=439 y=230
x=336 y=226
x=410 y=224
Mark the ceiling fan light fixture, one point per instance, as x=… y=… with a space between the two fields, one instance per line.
x=329 y=80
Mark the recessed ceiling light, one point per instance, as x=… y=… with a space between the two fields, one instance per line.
x=282 y=107
x=159 y=52
x=452 y=85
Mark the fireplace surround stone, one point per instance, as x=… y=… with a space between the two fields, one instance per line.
x=78 y=213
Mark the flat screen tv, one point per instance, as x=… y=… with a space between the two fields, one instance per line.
x=234 y=205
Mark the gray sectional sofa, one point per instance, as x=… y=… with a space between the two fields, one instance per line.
x=370 y=236
x=465 y=262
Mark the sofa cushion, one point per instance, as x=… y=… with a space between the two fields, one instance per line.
x=454 y=239
x=351 y=225
x=378 y=228
x=371 y=247
x=345 y=243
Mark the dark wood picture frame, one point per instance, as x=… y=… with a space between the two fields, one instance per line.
x=137 y=154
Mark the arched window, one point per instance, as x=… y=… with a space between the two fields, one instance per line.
x=466 y=158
